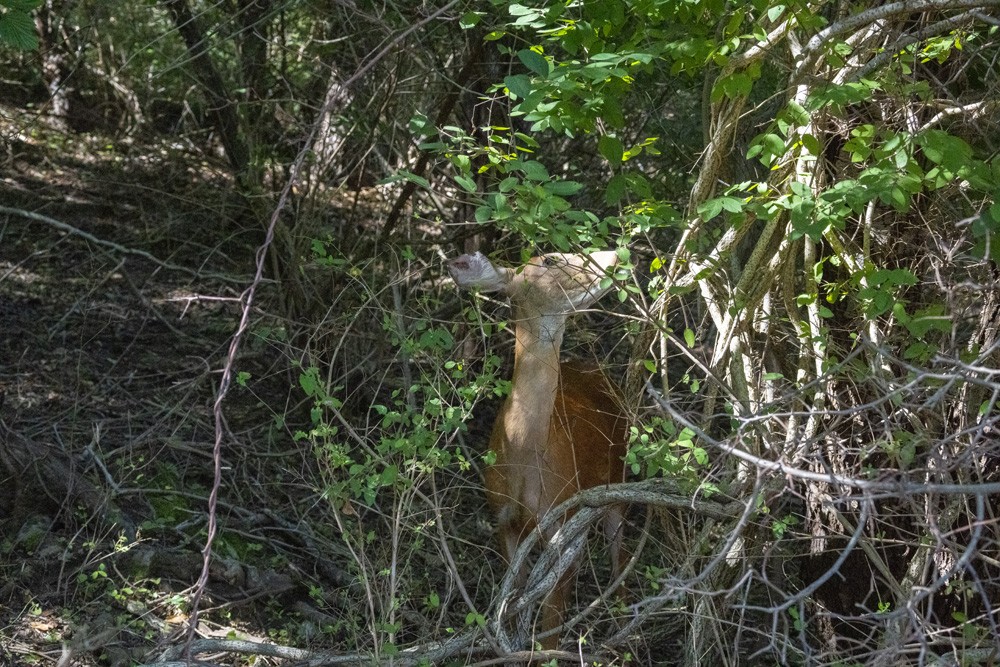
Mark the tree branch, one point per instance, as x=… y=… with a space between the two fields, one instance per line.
x=811 y=51
x=70 y=229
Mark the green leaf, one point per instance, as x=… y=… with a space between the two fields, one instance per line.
x=941 y=148
x=931 y=318
x=518 y=84
x=918 y=351
x=811 y=144
x=612 y=112
x=735 y=85
x=796 y=113
x=881 y=301
x=17 y=29
x=638 y=184
x=714 y=207
x=534 y=171
x=773 y=144
x=309 y=381
x=534 y=61
x=389 y=475
x=469 y=20
x=467 y=183
x=421 y=125
x=563 y=188
x=507 y=185
x=710 y=209
x=842 y=95
x=859 y=149
x=611 y=148
x=484 y=214
x=732 y=204
x=775 y=12
x=21 y=5
x=404 y=175
x=899 y=277
x=898 y=199
x=616 y=189
x=766 y=147
x=995 y=211
x=689 y=338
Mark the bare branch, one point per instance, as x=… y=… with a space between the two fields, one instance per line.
x=812 y=50
x=117 y=247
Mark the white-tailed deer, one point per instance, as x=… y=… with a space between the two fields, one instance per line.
x=560 y=429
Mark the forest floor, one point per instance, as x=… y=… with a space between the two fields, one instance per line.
x=109 y=364
x=121 y=270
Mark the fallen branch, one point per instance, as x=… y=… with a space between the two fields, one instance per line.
x=569 y=541
x=70 y=229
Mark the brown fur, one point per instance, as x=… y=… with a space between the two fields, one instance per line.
x=560 y=429
x=585 y=449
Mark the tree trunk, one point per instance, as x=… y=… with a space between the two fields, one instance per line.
x=221 y=107
x=55 y=58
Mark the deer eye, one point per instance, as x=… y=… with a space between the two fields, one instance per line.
x=548 y=261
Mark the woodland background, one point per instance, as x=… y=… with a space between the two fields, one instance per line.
x=244 y=405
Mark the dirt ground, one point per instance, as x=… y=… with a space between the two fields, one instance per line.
x=121 y=269
x=109 y=364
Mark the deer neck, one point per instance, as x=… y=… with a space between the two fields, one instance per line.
x=535 y=380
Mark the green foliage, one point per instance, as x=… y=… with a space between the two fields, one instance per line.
x=170 y=507
x=797 y=622
x=529 y=200
x=737 y=84
x=658 y=448
x=780 y=526
x=921 y=325
x=902 y=448
x=576 y=78
x=986 y=229
x=713 y=207
x=880 y=288
x=412 y=424
x=17 y=28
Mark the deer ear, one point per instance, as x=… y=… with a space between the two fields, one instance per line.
x=476 y=272
x=589 y=297
x=595 y=268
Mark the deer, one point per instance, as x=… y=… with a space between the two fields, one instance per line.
x=560 y=429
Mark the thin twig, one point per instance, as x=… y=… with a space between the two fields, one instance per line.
x=248 y=297
x=117 y=247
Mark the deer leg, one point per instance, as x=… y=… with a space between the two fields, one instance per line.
x=511 y=533
x=553 y=607
x=614 y=523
